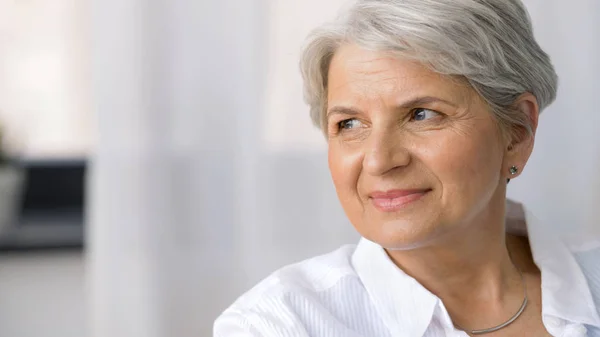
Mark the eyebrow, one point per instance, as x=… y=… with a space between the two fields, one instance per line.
x=415 y=102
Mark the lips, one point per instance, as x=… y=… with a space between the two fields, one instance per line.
x=395 y=200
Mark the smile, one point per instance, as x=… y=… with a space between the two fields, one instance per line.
x=395 y=200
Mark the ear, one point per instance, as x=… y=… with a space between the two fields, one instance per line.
x=521 y=145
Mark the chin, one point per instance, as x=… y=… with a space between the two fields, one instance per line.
x=403 y=233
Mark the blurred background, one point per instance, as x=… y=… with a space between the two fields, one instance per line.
x=157 y=159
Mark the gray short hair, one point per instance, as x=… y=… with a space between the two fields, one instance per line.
x=489 y=43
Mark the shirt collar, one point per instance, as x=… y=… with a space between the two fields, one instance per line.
x=565 y=291
x=407 y=308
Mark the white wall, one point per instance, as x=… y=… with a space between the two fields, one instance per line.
x=561 y=183
x=44 y=84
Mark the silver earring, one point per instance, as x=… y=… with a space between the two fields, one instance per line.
x=513 y=170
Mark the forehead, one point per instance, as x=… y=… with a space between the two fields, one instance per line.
x=362 y=73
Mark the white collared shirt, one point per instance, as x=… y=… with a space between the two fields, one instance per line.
x=358 y=291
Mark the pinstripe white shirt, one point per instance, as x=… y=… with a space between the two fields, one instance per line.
x=358 y=291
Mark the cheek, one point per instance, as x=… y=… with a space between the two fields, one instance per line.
x=345 y=167
x=466 y=164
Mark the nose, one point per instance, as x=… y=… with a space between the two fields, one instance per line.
x=384 y=152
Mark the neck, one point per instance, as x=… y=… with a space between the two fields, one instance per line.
x=469 y=269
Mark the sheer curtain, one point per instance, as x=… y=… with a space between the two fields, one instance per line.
x=207 y=174
x=177 y=92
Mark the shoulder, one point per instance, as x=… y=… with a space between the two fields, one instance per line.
x=588 y=259
x=279 y=301
x=557 y=251
x=309 y=276
x=570 y=267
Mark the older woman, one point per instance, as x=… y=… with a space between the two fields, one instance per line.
x=429 y=107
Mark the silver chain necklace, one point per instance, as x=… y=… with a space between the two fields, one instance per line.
x=507 y=323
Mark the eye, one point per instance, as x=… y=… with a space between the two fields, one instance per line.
x=348 y=124
x=421 y=114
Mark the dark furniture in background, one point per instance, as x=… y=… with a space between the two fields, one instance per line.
x=52 y=208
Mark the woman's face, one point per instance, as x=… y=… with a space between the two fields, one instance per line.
x=413 y=155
